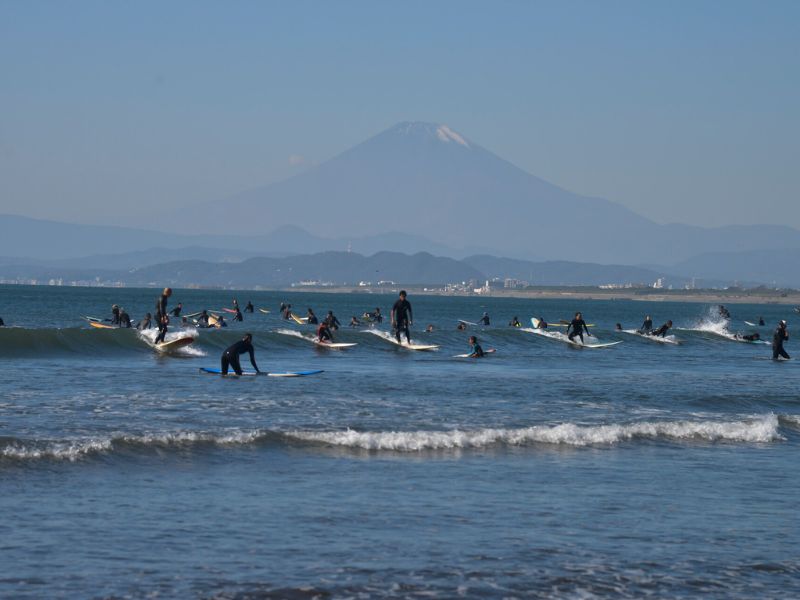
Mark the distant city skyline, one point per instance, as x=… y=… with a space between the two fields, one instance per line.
x=682 y=112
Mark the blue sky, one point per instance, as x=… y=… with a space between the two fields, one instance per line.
x=683 y=111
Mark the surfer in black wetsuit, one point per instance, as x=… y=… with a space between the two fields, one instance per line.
x=238 y=315
x=230 y=358
x=761 y=321
x=461 y=326
x=542 y=323
x=354 y=322
x=477 y=351
x=662 y=331
x=514 y=322
x=748 y=337
x=176 y=312
x=202 y=320
x=402 y=317
x=124 y=319
x=115 y=314
x=484 y=320
x=287 y=311
x=161 y=304
x=618 y=326
x=311 y=318
x=163 y=327
x=332 y=321
x=577 y=326
x=2 y=323
x=377 y=316
x=324 y=332
x=249 y=308
x=780 y=336
x=146 y=323
x=724 y=312
x=647 y=326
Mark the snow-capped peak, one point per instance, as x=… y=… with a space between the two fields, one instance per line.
x=444 y=133
x=432 y=130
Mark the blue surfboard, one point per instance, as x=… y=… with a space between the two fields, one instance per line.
x=253 y=374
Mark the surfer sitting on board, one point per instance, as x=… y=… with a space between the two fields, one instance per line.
x=324 y=333
x=238 y=315
x=402 y=317
x=647 y=326
x=662 y=331
x=781 y=335
x=484 y=320
x=576 y=328
x=514 y=322
x=114 y=314
x=477 y=351
x=176 y=312
x=354 y=322
x=249 y=308
x=202 y=320
x=230 y=358
x=311 y=318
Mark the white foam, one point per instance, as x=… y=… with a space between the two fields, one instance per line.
x=756 y=430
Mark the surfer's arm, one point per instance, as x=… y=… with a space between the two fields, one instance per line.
x=253 y=360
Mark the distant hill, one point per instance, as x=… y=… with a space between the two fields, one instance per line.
x=773 y=267
x=427 y=180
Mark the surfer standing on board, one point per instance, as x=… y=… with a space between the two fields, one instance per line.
x=781 y=335
x=577 y=326
x=230 y=358
x=402 y=317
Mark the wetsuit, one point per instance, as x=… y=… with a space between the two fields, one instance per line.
x=542 y=324
x=249 y=308
x=161 y=306
x=403 y=315
x=145 y=323
x=230 y=358
x=578 y=326
x=761 y=322
x=514 y=323
x=661 y=331
x=377 y=317
x=115 y=315
x=751 y=337
x=202 y=320
x=162 y=329
x=332 y=322
x=176 y=312
x=477 y=351
x=324 y=333
x=484 y=320
x=647 y=326
x=238 y=316
x=781 y=335
x=124 y=320
x=312 y=319
x=355 y=322
x=2 y=324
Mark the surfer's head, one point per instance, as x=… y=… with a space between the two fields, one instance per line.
x=782 y=324
x=578 y=315
x=167 y=292
x=473 y=339
x=248 y=337
x=403 y=294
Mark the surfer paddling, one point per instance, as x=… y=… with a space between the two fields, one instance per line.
x=230 y=358
x=402 y=317
x=576 y=328
x=780 y=336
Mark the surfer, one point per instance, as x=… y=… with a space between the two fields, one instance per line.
x=477 y=351
x=576 y=328
x=542 y=323
x=332 y=321
x=230 y=358
x=647 y=326
x=2 y=323
x=124 y=319
x=221 y=321
x=724 y=312
x=115 y=314
x=176 y=312
x=780 y=336
x=202 y=320
x=618 y=326
x=402 y=317
x=662 y=331
x=311 y=318
x=514 y=322
x=761 y=321
x=238 y=315
x=377 y=316
x=235 y=305
x=324 y=333
x=748 y=337
x=145 y=323
x=461 y=326
x=484 y=320
x=286 y=311
x=429 y=328
x=354 y=322
x=161 y=304
x=249 y=308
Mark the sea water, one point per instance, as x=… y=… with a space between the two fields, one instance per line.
x=544 y=470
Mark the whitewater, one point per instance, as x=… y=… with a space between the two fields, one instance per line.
x=642 y=469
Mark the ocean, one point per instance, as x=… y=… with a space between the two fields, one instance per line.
x=545 y=470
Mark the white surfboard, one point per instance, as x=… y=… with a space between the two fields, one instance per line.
x=561 y=337
x=490 y=351
x=670 y=339
x=334 y=345
x=391 y=339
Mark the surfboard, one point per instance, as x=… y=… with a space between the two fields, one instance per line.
x=670 y=339
x=485 y=352
x=174 y=344
x=751 y=324
x=565 y=323
x=389 y=338
x=102 y=325
x=562 y=337
x=263 y=310
x=253 y=374
x=193 y=315
x=94 y=319
x=334 y=345
x=298 y=320
x=467 y=322
x=229 y=310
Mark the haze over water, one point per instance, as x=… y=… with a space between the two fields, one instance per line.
x=543 y=471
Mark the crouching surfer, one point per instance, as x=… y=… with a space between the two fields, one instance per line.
x=662 y=331
x=230 y=358
x=576 y=328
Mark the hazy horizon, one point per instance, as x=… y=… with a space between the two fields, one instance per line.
x=683 y=114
